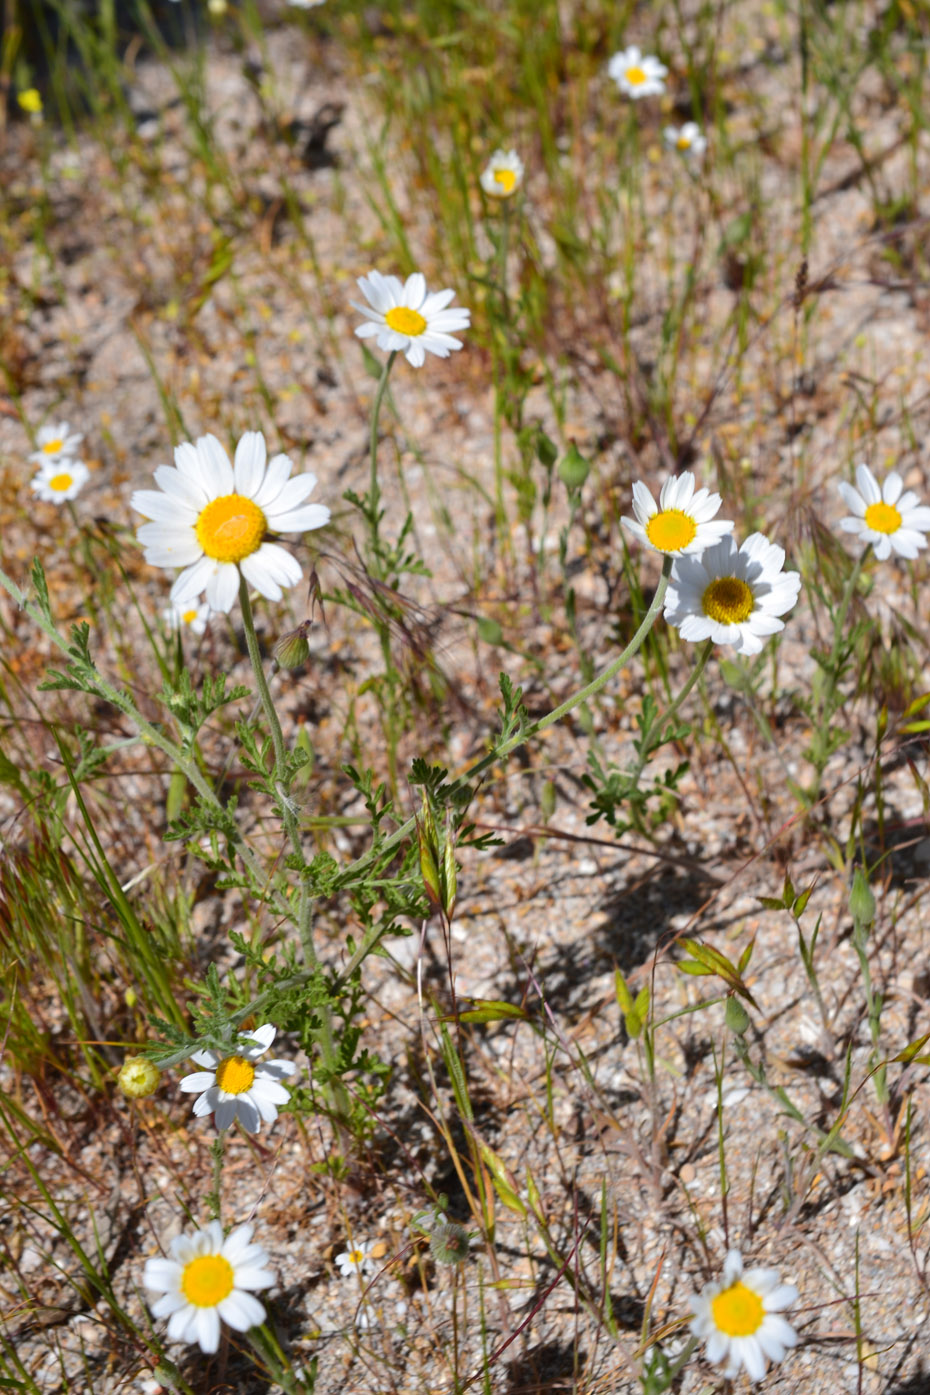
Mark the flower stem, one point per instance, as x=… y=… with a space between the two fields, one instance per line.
x=324 y=1034
x=374 y=491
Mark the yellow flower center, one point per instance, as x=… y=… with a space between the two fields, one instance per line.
x=207 y=1280
x=235 y=1075
x=684 y=142
x=230 y=528
x=30 y=100
x=729 y=600
x=356 y=1257
x=189 y=616
x=671 y=530
x=507 y=179
x=883 y=518
x=61 y=482
x=405 y=321
x=635 y=76
x=53 y=447
x=738 y=1312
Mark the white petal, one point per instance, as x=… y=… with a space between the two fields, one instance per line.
x=241 y=1311
x=183 y=487
x=276 y=475
x=223 y=587
x=302 y=520
x=269 y=569
x=207 y=1327
x=198 y=1082
x=262 y=1036
x=216 y=473
x=152 y=503
x=292 y=493
x=249 y=467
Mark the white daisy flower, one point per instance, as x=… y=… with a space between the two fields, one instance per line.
x=55 y=441
x=885 y=516
x=739 y=1318
x=358 y=1260
x=637 y=74
x=503 y=174
x=732 y=595
x=212 y=519
x=683 y=520
x=187 y=617
x=409 y=319
x=688 y=140
x=205 y=1282
x=232 y=1087
x=62 y=478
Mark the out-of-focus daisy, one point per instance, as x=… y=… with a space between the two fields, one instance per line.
x=688 y=140
x=357 y=1260
x=233 y=1087
x=187 y=617
x=637 y=74
x=305 y=4
x=206 y=1281
x=683 y=520
x=61 y=479
x=213 y=518
x=732 y=595
x=739 y=1317
x=54 y=442
x=886 y=516
x=503 y=174
x=409 y=319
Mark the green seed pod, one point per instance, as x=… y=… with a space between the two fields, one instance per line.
x=448 y=1243
x=861 y=900
x=292 y=649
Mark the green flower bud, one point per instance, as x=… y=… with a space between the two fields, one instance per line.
x=573 y=468
x=292 y=649
x=138 y=1077
x=736 y=1016
x=861 y=900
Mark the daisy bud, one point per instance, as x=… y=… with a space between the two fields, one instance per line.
x=138 y=1078
x=573 y=469
x=736 y=1016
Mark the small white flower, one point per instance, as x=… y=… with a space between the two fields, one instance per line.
x=54 y=442
x=60 y=479
x=305 y=4
x=503 y=174
x=732 y=595
x=232 y=1087
x=683 y=521
x=358 y=1260
x=688 y=140
x=409 y=319
x=739 y=1318
x=187 y=617
x=885 y=516
x=205 y=1281
x=212 y=519
x=636 y=74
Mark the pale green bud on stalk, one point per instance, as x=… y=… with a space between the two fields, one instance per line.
x=138 y=1077
x=292 y=649
x=449 y=874
x=861 y=900
x=429 y=853
x=736 y=1016
x=573 y=469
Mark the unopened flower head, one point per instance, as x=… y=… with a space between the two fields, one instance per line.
x=449 y=1243
x=138 y=1078
x=60 y=480
x=357 y=1260
x=206 y=1281
x=739 y=1317
x=732 y=595
x=213 y=519
x=232 y=1087
x=55 y=441
x=503 y=174
x=887 y=516
x=409 y=319
x=637 y=74
x=292 y=650
x=688 y=140
x=682 y=522
x=191 y=617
